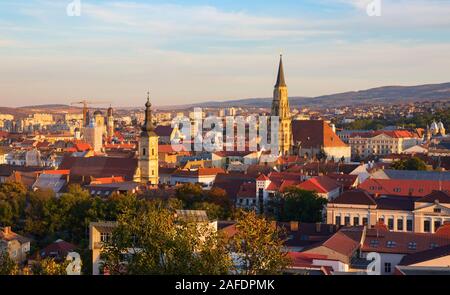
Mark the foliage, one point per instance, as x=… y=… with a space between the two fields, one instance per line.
x=413 y=163
x=215 y=201
x=258 y=245
x=7 y=265
x=49 y=267
x=163 y=244
x=299 y=205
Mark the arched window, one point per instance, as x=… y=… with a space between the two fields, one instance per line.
x=153 y=152
x=143 y=151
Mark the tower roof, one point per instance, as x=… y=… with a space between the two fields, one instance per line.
x=280 y=78
x=148 y=128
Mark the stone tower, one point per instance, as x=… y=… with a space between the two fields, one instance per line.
x=148 y=149
x=110 y=123
x=280 y=108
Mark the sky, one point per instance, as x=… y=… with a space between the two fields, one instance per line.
x=198 y=50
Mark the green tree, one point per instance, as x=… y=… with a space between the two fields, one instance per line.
x=189 y=193
x=7 y=265
x=13 y=200
x=163 y=244
x=413 y=163
x=49 y=267
x=258 y=246
x=300 y=205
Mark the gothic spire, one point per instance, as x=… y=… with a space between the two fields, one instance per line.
x=280 y=79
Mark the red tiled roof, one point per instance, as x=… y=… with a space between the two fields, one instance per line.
x=319 y=184
x=440 y=196
x=168 y=148
x=57 y=172
x=403 y=187
x=106 y=180
x=262 y=177
x=390 y=133
x=315 y=134
x=384 y=241
x=355 y=197
x=199 y=172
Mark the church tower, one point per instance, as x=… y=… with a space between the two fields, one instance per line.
x=148 y=149
x=280 y=108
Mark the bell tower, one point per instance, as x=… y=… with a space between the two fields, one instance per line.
x=148 y=148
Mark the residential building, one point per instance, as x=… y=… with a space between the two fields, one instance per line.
x=17 y=246
x=398 y=213
x=312 y=137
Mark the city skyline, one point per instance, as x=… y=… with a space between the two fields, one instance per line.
x=194 y=51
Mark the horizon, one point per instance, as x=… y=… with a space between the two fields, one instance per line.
x=198 y=51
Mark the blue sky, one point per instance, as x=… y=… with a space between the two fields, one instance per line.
x=192 y=51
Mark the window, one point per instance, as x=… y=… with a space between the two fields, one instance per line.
x=412 y=245
x=144 y=151
x=374 y=243
x=347 y=220
x=391 y=223
x=338 y=220
x=391 y=244
x=433 y=245
x=437 y=210
x=365 y=220
x=397 y=190
x=355 y=221
x=400 y=224
x=427 y=226
x=105 y=237
x=153 y=152
x=153 y=172
x=437 y=224
x=409 y=225
x=387 y=267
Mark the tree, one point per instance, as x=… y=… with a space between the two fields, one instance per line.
x=258 y=246
x=12 y=202
x=413 y=163
x=157 y=242
x=189 y=193
x=7 y=265
x=300 y=205
x=49 y=267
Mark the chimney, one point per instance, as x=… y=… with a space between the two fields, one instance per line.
x=7 y=230
x=294 y=225
x=318 y=226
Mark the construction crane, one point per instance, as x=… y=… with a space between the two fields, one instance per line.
x=85 y=104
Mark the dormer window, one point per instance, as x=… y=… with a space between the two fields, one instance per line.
x=374 y=243
x=412 y=245
x=437 y=210
x=391 y=244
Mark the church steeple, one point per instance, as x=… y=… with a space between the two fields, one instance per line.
x=280 y=78
x=148 y=149
x=281 y=109
x=148 y=126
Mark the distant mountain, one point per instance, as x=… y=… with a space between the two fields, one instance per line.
x=379 y=95
x=386 y=94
